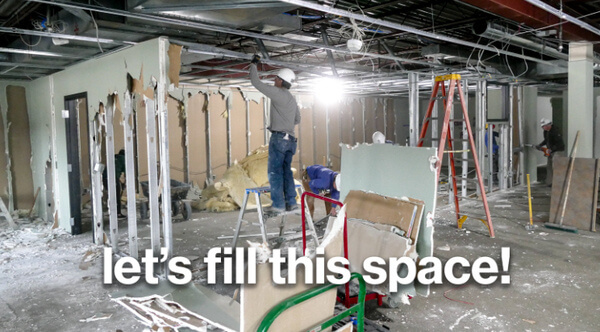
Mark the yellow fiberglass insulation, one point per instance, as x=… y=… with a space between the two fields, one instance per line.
x=227 y=194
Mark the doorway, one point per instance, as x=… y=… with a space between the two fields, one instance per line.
x=78 y=157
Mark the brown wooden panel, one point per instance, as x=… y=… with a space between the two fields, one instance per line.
x=238 y=127
x=334 y=136
x=305 y=145
x=580 y=200
x=197 y=139
x=390 y=121
x=3 y=163
x=359 y=127
x=346 y=115
x=19 y=146
x=176 y=119
x=257 y=128
x=369 y=126
x=218 y=134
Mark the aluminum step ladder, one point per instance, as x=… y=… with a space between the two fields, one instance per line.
x=262 y=217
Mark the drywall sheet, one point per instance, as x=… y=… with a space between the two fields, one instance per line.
x=370 y=123
x=174 y=54
x=334 y=136
x=390 y=121
x=581 y=206
x=118 y=134
x=379 y=112
x=197 y=138
x=257 y=127
x=38 y=99
x=3 y=161
x=394 y=171
x=320 y=134
x=238 y=126
x=359 y=129
x=176 y=119
x=218 y=134
x=346 y=125
x=218 y=310
x=19 y=147
x=305 y=146
x=385 y=210
x=257 y=300
x=368 y=241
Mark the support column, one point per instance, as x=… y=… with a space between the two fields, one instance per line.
x=413 y=108
x=581 y=99
x=531 y=128
x=480 y=118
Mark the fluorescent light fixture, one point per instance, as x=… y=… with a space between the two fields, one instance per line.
x=329 y=90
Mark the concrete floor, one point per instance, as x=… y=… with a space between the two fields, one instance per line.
x=48 y=285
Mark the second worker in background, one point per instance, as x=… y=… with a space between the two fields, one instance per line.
x=284 y=116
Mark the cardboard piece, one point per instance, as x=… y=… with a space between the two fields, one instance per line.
x=581 y=205
x=257 y=300
x=385 y=210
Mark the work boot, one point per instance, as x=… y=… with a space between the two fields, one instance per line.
x=293 y=208
x=272 y=211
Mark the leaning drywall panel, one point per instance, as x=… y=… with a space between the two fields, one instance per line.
x=175 y=112
x=238 y=126
x=306 y=130
x=395 y=171
x=19 y=147
x=98 y=77
x=40 y=124
x=4 y=159
x=218 y=134
x=197 y=138
x=320 y=133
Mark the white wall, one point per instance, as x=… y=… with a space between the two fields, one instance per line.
x=99 y=78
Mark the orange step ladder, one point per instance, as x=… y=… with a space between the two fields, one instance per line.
x=446 y=135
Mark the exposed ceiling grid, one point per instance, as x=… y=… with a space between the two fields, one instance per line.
x=526 y=43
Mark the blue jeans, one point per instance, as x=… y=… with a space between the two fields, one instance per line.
x=281 y=178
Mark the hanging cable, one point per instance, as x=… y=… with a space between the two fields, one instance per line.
x=97 y=36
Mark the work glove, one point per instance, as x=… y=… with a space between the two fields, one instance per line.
x=255 y=59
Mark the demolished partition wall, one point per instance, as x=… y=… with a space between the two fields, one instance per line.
x=99 y=78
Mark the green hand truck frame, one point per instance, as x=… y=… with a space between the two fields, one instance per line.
x=359 y=308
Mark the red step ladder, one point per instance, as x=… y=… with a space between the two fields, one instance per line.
x=454 y=83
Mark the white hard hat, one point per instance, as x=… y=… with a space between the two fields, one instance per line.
x=378 y=137
x=338 y=180
x=545 y=122
x=286 y=75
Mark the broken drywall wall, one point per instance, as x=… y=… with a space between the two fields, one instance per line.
x=237 y=114
x=19 y=146
x=97 y=77
x=217 y=109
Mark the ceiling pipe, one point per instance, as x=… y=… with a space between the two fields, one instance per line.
x=60 y=35
x=563 y=15
x=396 y=26
x=495 y=31
x=237 y=32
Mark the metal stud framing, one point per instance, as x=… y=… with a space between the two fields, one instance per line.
x=130 y=177
x=111 y=177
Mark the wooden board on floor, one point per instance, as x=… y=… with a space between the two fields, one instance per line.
x=581 y=206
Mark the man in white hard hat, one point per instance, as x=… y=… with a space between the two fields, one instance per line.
x=554 y=142
x=284 y=116
x=322 y=181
